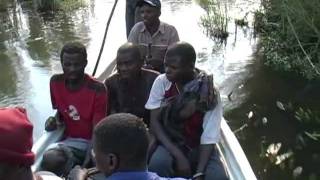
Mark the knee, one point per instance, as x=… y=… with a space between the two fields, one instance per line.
x=216 y=172
x=56 y=161
x=160 y=162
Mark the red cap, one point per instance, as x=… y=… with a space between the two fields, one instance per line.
x=15 y=137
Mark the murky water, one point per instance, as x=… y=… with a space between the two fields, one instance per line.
x=31 y=42
x=29 y=55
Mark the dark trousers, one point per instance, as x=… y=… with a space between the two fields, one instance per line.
x=161 y=162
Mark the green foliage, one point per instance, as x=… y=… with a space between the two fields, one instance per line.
x=310 y=122
x=290 y=36
x=216 y=19
x=307 y=116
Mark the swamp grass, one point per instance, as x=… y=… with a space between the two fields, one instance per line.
x=290 y=36
x=64 y=5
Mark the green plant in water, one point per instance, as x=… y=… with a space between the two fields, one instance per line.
x=290 y=36
x=65 y=5
x=310 y=121
x=216 y=19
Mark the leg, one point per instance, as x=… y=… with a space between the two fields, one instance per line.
x=215 y=168
x=161 y=162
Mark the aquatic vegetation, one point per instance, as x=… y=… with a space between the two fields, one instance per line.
x=216 y=20
x=66 y=5
x=290 y=36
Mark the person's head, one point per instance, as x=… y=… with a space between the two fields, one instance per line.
x=150 y=11
x=129 y=61
x=57 y=160
x=73 y=58
x=120 y=143
x=179 y=62
x=16 y=156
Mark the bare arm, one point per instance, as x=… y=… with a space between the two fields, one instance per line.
x=160 y=134
x=204 y=156
x=183 y=167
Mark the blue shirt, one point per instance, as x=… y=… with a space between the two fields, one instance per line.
x=138 y=175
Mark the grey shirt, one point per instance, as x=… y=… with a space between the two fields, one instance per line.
x=159 y=41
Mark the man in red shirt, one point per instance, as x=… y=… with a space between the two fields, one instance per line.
x=80 y=101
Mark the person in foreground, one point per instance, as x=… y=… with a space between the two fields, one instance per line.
x=120 y=145
x=186 y=112
x=152 y=35
x=81 y=102
x=16 y=156
x=131 y=85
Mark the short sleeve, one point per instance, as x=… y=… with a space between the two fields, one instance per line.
x=100 y=107
x=211 y=124
x=133 y=35
x=157 y=92
x=174 y=37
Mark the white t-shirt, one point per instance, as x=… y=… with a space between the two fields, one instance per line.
x=212 y=119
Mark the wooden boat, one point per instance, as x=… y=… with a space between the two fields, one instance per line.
x=235 y=160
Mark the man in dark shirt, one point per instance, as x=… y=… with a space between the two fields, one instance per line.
x=129 y=88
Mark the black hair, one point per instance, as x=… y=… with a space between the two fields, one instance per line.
x=58 y=160
x=74 y=48
x=124 y=135
x=130 y=48
x=185 y=51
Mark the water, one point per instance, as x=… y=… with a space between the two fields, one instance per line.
x=29 y=55
x=30 y=46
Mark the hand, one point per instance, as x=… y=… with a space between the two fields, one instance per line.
x=78 y=174
x=183 y=167
x=51 y=124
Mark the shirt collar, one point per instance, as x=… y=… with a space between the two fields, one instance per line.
x=160 y=29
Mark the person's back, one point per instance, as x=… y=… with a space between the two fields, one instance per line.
x=120 y=145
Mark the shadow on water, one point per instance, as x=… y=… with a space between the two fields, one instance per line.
x=250 y=92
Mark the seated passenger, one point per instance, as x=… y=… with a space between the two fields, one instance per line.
x=80 y=101
x=120 y=144
x=129 y=88
x=16 y=156
x=152 y=35
x=187 y=127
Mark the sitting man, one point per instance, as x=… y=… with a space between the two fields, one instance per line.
x=152 y=35
x=188 y=126
x=120 y=144
x=16 y=156
x=131 y=85
x=81 y=102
